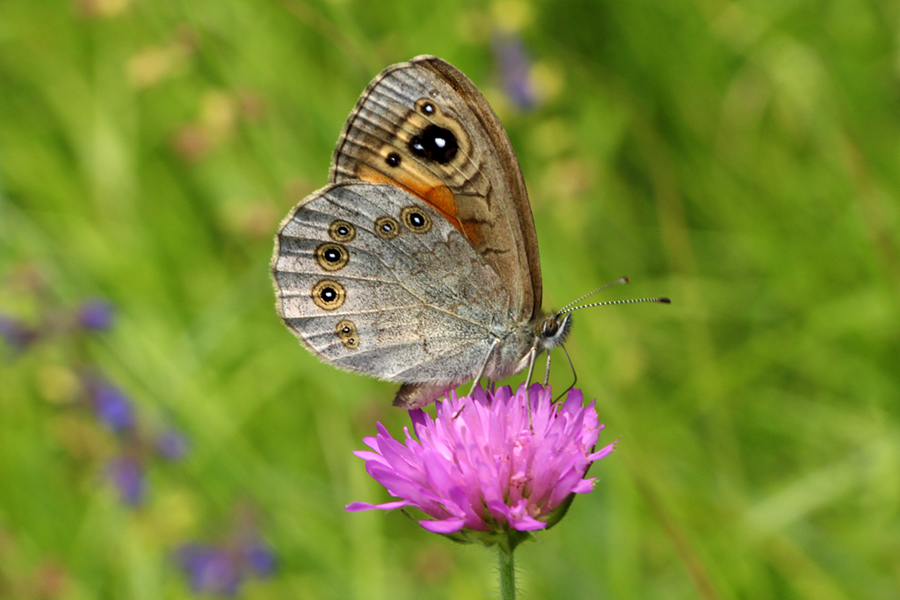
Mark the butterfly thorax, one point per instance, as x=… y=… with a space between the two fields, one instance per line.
x=513 y=353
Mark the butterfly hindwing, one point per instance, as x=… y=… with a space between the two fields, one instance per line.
x=373 y=279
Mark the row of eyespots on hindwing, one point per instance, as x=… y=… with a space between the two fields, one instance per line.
x=328 y=294
x=412 y=217
x=331 y=256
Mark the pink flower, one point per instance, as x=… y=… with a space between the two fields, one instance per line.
x=479 y=466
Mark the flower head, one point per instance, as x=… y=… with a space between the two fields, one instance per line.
x=515 y=70
x=259 y=558
x=210 y=569
x=221 y=569
x=112 y=406
x=171 y=445
x=127 y=475
x=483 y=465
x=16 y=334
x=95 y=315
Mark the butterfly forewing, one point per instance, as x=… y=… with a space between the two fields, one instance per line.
x=425 y=127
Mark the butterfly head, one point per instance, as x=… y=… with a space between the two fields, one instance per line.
x=552 y=330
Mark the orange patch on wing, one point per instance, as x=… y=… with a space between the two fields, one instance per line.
x=471 y=231
x=437 y=196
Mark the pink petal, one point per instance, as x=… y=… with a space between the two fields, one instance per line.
x=605 y=451
x=584 y=486
x=563 y=488
x=443 y=526
x=367 y=455
x=527 y=524
x=417 y=416
x=360 y=506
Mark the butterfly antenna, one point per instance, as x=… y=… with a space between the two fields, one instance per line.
x=619 y=281
x=660 y=300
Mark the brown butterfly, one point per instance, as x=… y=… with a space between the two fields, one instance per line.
x=419 y=262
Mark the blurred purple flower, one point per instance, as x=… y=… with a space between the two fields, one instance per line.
x=480 y=466
x=95 y=315
x=113 y=408
x=259 y=557
x=515 y=70
x=127 y=475
x=171 y=445
x=221 y=570
x=210 y=570
x=16 y=334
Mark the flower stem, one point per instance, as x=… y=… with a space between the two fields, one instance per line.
x=507 y=569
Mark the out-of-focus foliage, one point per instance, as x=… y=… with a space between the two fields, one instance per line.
x=741 y=158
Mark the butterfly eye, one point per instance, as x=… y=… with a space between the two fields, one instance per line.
x=332 y=257
x=550 y=327
x=386 y=228
x=342 y=231
x=415 y=219
x=328 y=295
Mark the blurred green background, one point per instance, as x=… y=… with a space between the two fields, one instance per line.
x=740 y=157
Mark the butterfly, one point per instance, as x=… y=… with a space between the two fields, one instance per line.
x=418 y=263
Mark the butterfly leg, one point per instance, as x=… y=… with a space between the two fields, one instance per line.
x=480 y=374
x=484 y=364
x=547 y=370
x=574 y=374
x=532 y=357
